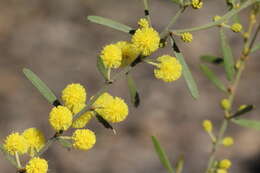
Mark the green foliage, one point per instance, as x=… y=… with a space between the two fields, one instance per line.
x=135 y=99
x=247 y=123
x=101 y=68
x=212 y=59
x=256 y=48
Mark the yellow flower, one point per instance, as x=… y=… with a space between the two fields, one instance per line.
x=169 y=69
x=15 y=143
x=143 y=23
x=74 y=94
x=221 y=171
x=225 y=104
x=60 y=118
x=236 y=27
x=228 y=141
x=111 y=56
x=37 y=165
x=84 y=139
x=225 y=164
x=35 y=140
x=129 y=52
x=83 y=119
x=196 y=4
x=207 y=125
x=186 y=37
x=111 y=109
x=216 y=18
x=146 y=40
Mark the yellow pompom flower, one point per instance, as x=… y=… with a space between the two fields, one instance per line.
x=143 y=23
x=129 y=52
x=112 y=109
x=228 y=141
x=60 y=118
x=221 y=171
x=111 y=56
x=207 y=125
x=225 y=164
x=146 y=40
x=15 y=143
x=83 y=139
x=236 y=27
x=168 y=69
x=35 y=140
x=186 y=37
x=83 y=119
x=225 y=104
x=73 y=94
x=37 y=165
x=196 y=4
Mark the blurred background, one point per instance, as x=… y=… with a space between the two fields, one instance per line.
x=54 y=39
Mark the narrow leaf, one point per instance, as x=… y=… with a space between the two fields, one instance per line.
x=135 y=99
x=179 y=165
x=255 y=48
x=192 y=86
x=228 y=57
x=101 y=68
x=212 y=59
x=247 y=123
x=246 y=109
x=40 y=85
x=65 y=143
x=162 y=155
x=212 y=77
x=110 y=23
x=177 y=1
x=105 y=123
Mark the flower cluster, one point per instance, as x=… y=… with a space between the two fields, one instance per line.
x=196 y=4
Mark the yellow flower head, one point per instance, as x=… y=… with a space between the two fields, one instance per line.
x=207 y=125
x=15 y=143
x=111 y=56
x=196 y=4
x=146 y=40
x=225 y=104
x=35 y=140
x=169 y=69
x=60 y=118
x=236 y=27
x=112 y=109
x=74 y=94
x=228 y=141
x=225 y=164
x=129 y=52
x=216 y=18
x=221 y=171
x=83 y=119
x=84 y=139
x=37 y=165
x=186 y=37
x=143 y=23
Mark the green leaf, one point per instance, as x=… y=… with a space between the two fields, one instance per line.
x=247 y=123
x=109 y=23
x=162 y=155
x=65 y=143
x=135 y=99
x=177 y=1
x=40 y=85
x=101 y=68
x=212 y=59
x=228 y=57
x=179 y=165
x=105 y=123
x=212 y=77
x=192 y=86
x=245 y=110
x=255 y=48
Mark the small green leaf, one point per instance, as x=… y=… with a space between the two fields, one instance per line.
x=105 y=123
x=40 y=85
x=65 y=143
x=228 y=57
x=177 y=1
x=179 y=165
x=162 y=155
x=245 y=110
x=101 y=68
x=255 y=48
x=192 y=86
x=135 y=99
x=110 y=23
x=212 y=77
x=212 y=59
x=247 y=123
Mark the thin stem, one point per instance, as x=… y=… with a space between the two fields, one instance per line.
x=147 y=11
x=18 y=160
x=172 y=22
